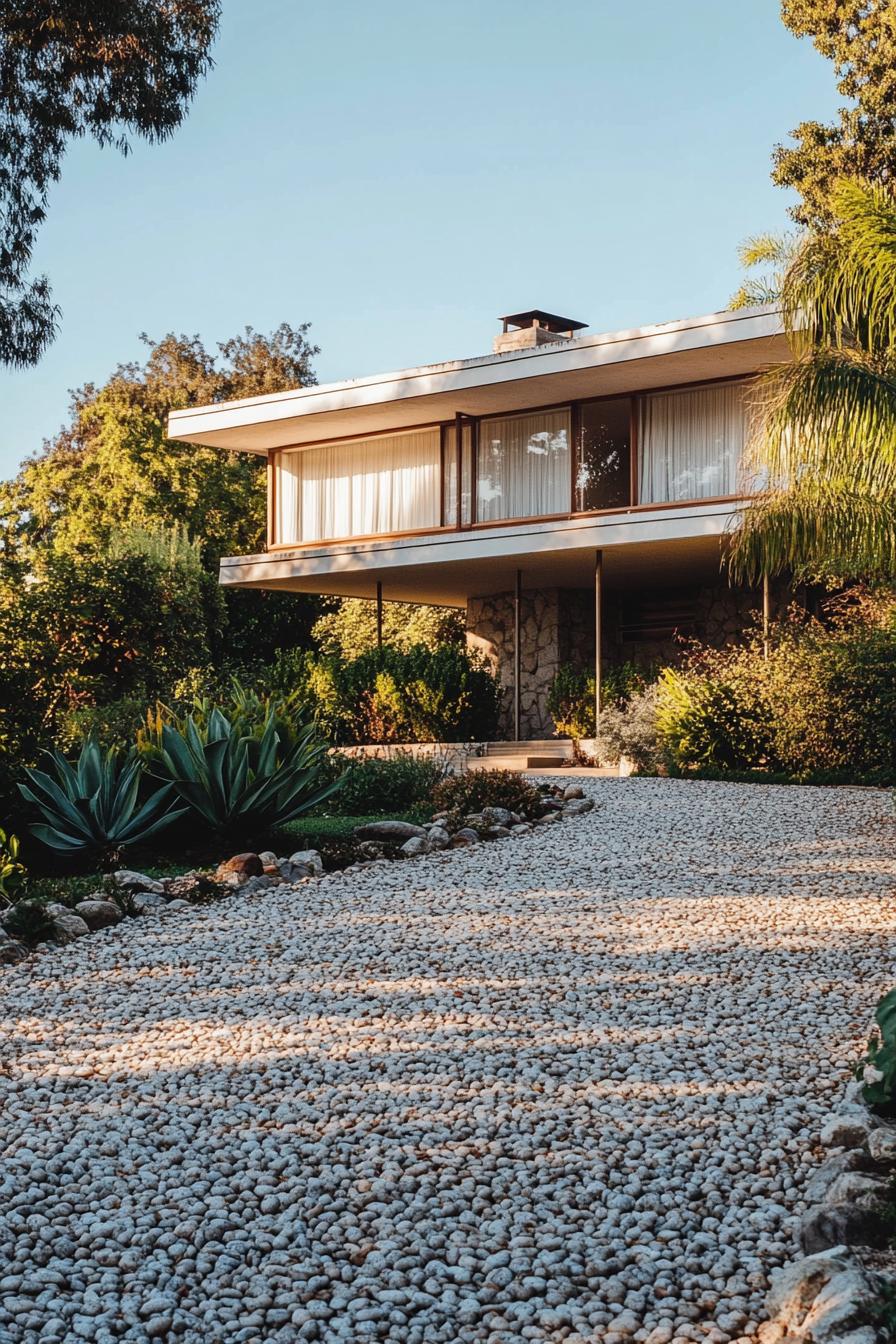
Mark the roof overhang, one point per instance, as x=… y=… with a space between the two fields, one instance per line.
x=661 y=546
x=721 y=345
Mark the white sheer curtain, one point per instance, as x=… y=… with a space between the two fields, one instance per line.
x=390 y=483
x=690 y=443
x=523 y=466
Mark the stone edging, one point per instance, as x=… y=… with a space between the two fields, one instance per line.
x=831 y=1295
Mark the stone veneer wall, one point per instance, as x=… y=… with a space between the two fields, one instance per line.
x=557 y=627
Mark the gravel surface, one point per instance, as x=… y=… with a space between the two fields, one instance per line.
x=565 y=1086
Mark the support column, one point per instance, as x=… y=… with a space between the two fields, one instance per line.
x=766 y=615
x=598 y=621
x=517 y=655
x=379 y=615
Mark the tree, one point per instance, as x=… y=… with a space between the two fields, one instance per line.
x=68 y=69
x=824 y=441
x=765 y=259
x=113 y=466
x=349 y=629
x=859 y=36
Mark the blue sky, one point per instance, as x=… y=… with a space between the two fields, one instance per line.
x=399 y=174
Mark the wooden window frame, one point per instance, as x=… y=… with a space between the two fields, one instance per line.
x=459 y=423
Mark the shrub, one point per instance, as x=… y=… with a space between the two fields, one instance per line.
x=630 y=730
x=29 y=921
x=372 y=784
x=707 y=721
x=248 y=711
x=474 y=790
x=12 y=873
x=877 y=1068
x=386 y=695
x=571 y=695
x=243 y=785
x=92 y=810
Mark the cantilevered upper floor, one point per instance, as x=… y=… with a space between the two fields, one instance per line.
x=445 y=479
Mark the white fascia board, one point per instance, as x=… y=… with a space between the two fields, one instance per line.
x=529 y=539
x=707 y=332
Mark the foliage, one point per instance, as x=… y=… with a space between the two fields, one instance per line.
x=571 y=695
x=248 y=711
x=119 y=67
x=823 y=445
x=474 y=790
x=92 y=810
x=859 y=37
x=765 y=259
x=877 y=1068
x=349 y=628
x=629 y=728
x=12 y=873
x=243 y=784
x=822 y=705
x=424 y=695
x=375 y=785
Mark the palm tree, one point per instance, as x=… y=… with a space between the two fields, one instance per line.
x=823 y=445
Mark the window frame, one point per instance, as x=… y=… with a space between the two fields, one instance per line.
x=460 y=421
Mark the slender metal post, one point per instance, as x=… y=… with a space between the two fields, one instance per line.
x=598 y=622
x=517 y=655
x=766 y=615
x=379 y=615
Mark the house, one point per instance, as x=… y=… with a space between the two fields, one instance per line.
x=572 y=492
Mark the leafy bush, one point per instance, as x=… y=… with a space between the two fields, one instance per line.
x=92 y=810
x=243 y=785
x=877 y=1068
x=248 y=711
x=571 y=695
x=630 y=730
x=12 y=873
x=371 y=784
x=350 y=627
x=822 y=705
x=421 y=695
x=477 y=789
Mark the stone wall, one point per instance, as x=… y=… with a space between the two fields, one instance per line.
x=639 y=625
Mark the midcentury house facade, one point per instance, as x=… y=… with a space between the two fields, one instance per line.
x=571 y=492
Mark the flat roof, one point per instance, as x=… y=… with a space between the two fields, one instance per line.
x=717 y=345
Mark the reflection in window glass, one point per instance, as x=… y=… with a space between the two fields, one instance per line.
x=451 y=476
x=603 y=466
x=523 y=466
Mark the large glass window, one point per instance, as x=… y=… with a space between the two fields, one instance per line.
x=603 y=463
x=690 y=443
x=358 y=488
x=451 y=476
x=523 y=468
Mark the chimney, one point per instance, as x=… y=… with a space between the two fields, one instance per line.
x=524 y=331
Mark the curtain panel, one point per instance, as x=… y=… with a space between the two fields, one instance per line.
x=364 y=487
x=523 y=468
x=690 y=443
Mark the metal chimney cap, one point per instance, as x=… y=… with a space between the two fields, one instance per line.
x=537 y=317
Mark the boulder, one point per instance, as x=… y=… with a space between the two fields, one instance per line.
x=497 y=816
x=291 y=870
x=577 y=807
x=821 y=1181
x=438 y=837
x=497 y=832
x=98 y=914
x=268 y=856
x=241 y=866
x=11 y=950
x=146 y=902
x=821 y=1298
x=132 y=881
x=393 y=832
x=856 y=1223
x=418 y=844
x=68 y=926
x=882 y=1144
x=573 y=791
x=847 y=1128
x=310 y=857
x=177 y=904
x=465 y=836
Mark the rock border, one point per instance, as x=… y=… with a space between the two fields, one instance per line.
x=832 y=1294
x=251 y=874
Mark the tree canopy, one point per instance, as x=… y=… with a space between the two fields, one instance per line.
x=108 y=69
x=859 y=37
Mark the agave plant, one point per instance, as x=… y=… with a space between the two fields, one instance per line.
x=245 y=783
x=93 y=809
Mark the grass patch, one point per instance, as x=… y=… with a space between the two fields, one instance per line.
x=303 y=833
